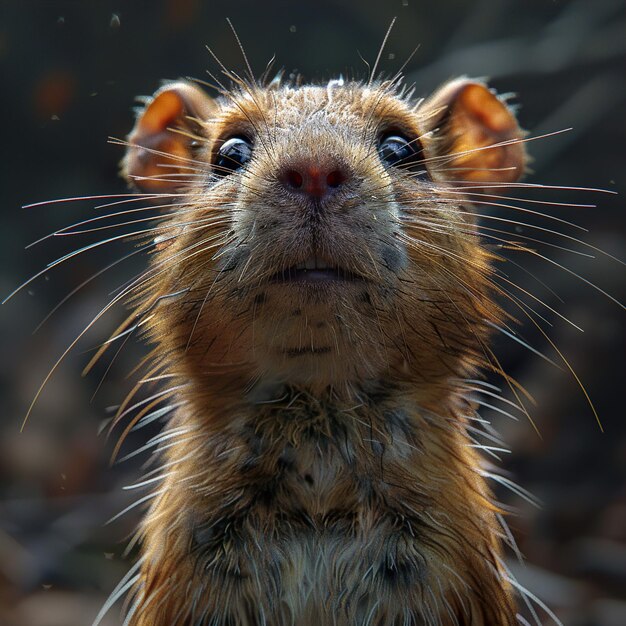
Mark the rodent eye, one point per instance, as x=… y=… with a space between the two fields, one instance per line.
x=232 y=155
x=397 y=151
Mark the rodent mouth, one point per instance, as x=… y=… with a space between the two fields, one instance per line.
x=314 y=270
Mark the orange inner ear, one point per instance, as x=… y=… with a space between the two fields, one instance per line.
x=158 y=154
x=478 y=120
x=478 y=137
x=161 y=113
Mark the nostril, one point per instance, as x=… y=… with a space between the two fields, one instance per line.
x=334 y=179
x=294 y=179
x=312 y=179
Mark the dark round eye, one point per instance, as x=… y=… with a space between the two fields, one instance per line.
x=397 y=151
x=232 y=155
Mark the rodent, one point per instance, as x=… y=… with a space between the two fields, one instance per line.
x=320 y=304
x=318 y=300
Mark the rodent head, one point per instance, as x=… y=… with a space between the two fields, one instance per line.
x=321 y=235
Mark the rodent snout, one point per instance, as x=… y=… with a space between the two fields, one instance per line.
x=310 y=178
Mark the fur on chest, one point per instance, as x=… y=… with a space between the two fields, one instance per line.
x=310 y=511
x=319 y=462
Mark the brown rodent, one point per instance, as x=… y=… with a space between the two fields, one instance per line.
x=319 y=302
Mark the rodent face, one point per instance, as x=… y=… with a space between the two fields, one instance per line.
x=318 y=261
x=308 y=324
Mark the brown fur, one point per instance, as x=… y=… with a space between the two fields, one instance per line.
x=318 y=468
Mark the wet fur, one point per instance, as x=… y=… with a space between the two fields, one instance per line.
x=318 y=468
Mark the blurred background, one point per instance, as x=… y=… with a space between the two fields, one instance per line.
x=70 y=70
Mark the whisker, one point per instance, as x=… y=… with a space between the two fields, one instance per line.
x=141 y=196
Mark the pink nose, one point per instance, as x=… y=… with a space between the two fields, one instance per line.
x=313 y=180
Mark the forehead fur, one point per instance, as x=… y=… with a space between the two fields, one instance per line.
x=351 y=104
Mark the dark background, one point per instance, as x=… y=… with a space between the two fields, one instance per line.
x=69 y=73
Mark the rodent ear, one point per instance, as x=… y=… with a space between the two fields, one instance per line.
x=165 y=133
x=475 y=138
